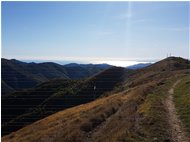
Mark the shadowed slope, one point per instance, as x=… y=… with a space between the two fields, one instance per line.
x=26 y=106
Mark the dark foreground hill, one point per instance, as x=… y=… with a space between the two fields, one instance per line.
x=20 y=75
x=134 y=111
x=26 y=106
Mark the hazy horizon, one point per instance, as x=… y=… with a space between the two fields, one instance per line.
x=119 y=63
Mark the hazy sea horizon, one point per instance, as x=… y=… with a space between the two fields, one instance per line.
x=121 y=63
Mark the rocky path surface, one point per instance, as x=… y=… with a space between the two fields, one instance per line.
x=177 y=131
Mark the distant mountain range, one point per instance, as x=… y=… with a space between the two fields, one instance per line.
x=20 y=75
x=139 y=66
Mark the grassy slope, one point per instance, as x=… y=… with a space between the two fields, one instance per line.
x=76 y=123
x=155 y=122
x=182 y=101
x=25 y=107
x=135 y=115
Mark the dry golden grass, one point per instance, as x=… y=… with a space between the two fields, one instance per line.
x=114 y=115
x=73 y=124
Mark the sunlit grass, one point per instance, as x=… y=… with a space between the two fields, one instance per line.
x=182 y=101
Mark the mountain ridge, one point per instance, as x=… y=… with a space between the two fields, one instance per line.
x=14 y=72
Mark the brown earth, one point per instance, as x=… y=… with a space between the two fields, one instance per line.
x=177 y=130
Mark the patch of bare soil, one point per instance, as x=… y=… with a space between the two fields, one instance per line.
x=176 y=127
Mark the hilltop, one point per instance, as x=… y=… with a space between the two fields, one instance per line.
x=128 y=105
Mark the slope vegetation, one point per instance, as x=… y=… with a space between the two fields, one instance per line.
x=182 y=102
x=26 y=106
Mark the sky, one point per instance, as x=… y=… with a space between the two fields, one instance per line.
x=95 y=31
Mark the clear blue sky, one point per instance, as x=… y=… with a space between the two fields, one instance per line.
x=94 y=30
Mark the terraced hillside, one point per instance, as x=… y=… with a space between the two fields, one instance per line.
x=134 y=111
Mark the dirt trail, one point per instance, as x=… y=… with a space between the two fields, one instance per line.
x=177 y=132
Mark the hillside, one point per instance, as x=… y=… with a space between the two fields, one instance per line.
x=139 y=66
x=26 y=106
x=135 y=110
x=20 y=75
